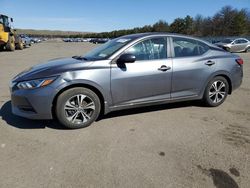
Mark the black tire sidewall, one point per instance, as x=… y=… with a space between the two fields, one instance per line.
x=206 y=97
x=11 y=44
x=62 y=99
x=248 y=50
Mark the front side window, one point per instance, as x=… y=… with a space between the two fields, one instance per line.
x=240 y=41
x=237 y=42
x=184 y=47
x=149 y=49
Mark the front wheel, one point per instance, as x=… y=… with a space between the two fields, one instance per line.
x=247 y=50
x=77 y=108
x=10 y=46
x=216 y=91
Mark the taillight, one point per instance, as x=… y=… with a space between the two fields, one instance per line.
x=239 y=61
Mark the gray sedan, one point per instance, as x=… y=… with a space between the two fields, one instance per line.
x=236 y=45
x=127 y=72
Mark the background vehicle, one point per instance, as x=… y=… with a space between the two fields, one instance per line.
x=99 y=40
x=26 y=40
x=235 y=45
x=130 y=71
x=35 y=40
x=8 y=38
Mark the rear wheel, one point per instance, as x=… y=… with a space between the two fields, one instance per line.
x=77 y=108
x=216 y=91
x=11 y=44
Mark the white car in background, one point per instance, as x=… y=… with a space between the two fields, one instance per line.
x=235 y=45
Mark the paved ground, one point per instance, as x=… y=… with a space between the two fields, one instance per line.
x=177 y=145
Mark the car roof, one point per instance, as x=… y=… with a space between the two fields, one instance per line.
x=139 y=35
x=142 y=35
x=240 y=39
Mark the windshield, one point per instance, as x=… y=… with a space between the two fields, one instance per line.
x=227 y=41
x=106 y=50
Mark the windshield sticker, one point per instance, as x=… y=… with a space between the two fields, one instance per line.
x=123 y=40
x=102 y=55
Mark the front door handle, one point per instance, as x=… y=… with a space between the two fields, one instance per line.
x=164 y=68
x=210 y=63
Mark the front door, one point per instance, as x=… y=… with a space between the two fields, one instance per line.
x=148 y=78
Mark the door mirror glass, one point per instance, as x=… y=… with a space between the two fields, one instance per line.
x=126 y=58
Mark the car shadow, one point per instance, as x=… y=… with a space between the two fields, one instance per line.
x=23 y=123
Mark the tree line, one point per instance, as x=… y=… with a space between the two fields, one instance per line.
x=226 y=22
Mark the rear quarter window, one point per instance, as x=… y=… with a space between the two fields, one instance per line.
x=184 y=47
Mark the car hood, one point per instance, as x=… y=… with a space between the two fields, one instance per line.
x=52 y=68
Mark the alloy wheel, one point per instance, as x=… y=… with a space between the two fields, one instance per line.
x=79 y=109
x=217 y=91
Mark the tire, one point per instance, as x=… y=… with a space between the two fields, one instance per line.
x=10 y=46
x=73 y=114
x=19 y=45
x=216 y=92
x=247 y=50
x=228 y=49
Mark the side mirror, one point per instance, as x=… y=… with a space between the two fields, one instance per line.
x=11 y=19
x=126 y=58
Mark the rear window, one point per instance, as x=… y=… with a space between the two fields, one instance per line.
x=227 y=41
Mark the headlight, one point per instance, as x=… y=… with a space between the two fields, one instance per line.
x=32 y=84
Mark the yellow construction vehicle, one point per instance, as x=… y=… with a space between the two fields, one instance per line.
x=8 y=38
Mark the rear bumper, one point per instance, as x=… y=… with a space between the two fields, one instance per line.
x=237 y=77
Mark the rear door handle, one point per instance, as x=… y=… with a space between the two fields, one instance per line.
x=210 y=63
x=164 y=68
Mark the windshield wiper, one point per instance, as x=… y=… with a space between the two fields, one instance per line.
x=80 y=58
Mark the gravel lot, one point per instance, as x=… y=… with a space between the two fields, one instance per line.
x=175 y=145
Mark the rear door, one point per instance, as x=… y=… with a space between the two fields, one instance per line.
x=191 y=67
x=148 y=78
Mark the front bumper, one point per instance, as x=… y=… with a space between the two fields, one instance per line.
x=33 y=103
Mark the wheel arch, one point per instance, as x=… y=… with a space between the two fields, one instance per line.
x=224 y=74
x=94 y=89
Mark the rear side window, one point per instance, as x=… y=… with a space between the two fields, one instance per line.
x=149 y=49
x=240 y=41
x=184 y=47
